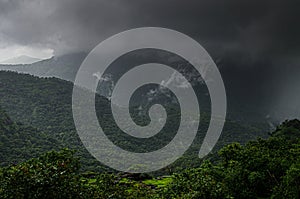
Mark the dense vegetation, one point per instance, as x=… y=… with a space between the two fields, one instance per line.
x=44 y=104
x=19 y=142
x=36 y=117
x=265 y=168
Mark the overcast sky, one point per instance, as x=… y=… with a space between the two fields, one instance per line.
x=257 y=27
x=262 y=35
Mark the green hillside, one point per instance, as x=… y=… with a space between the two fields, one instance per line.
x=45 y=104
x=20 y=142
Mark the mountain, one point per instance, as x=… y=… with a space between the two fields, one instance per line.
x=243 y=105
x=64 y=67
x=46 y=105
x=23 y=59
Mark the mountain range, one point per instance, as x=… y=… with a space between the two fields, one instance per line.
x=243 y=104
x=63 y=67
x=45 y=105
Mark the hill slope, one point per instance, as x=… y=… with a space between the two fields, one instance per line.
x=244 y=105
x=20 y=60
x=64 y=67
x=45 y=104
x=20 y=142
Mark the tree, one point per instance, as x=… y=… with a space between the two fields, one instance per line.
x=53 y=175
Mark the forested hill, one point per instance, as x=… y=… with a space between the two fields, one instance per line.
x=36 y=117
x=20 y=142
x=242 y=101
x=45 y=105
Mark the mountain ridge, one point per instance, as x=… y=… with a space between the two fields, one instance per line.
x=20 y=60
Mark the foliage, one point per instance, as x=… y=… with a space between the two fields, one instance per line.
x=56 y=175
x=203 y=182
x=53 y=175
x=260 y=169
x=267 y=168
x=20 y=142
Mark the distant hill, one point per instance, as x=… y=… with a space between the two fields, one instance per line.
x=23 y=59
x=63 y=67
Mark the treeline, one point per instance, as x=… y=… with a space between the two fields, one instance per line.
x=265 y=168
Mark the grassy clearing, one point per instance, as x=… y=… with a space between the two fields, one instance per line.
x=159 y=182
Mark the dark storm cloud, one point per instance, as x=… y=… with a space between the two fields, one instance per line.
x=65 y=26
x=72 y=25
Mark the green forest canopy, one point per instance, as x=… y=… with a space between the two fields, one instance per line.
x=265 y=168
